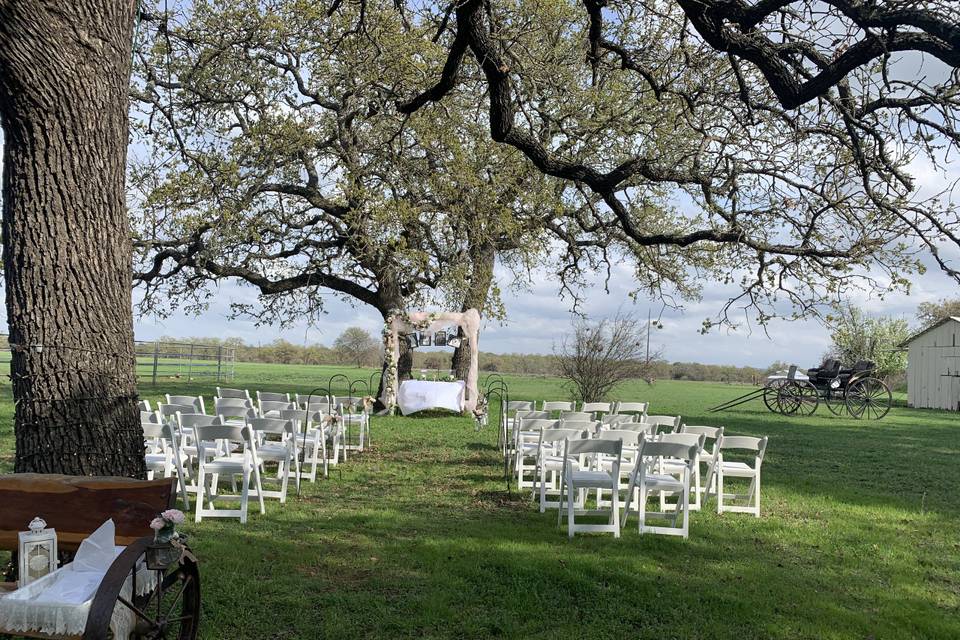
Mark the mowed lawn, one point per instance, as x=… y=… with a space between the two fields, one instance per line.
x=859 y=538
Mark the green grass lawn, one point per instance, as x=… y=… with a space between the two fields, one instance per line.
x=860 y=537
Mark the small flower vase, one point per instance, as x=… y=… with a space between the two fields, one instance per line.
x=165 y=550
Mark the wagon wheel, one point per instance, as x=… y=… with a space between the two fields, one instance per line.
x=170 y=611
x=834 y=400
x=770 y=393
x=868 y=398
x=788 y=401
x=803 y=398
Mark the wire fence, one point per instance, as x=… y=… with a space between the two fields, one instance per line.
x=160 y=360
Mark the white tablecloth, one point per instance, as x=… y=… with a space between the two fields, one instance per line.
x=418 y=395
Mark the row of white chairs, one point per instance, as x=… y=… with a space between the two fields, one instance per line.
x=675 y=472
x=240 y=438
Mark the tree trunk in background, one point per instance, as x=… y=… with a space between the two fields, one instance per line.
x=483 y=257
x=64 y=76
x=391 y=301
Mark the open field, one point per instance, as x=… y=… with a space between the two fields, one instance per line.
x=860 y=537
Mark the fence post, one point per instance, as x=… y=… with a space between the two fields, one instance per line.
x=219 y=360
x=190 y=364
x=156 y=359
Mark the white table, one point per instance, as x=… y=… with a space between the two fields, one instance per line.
x=419 y=395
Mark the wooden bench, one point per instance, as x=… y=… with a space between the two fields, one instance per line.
x=76 y=506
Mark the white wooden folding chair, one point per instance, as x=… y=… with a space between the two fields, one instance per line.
x=317 y=403
x=708 y=456
x=355 y=420
x=508 y=420
x=582 y=416
x=549 y=465
x=726 y=468
x=276 y=442
x=526 y=450
x=196 y=401
x=631 y=408
x=144 y=405
x=664 y=424
x=670 y=465
x=167 y=460
x=234 y=411
x=596 y=408
x=272 y=396
x=648 y=477
x=628 y=459
x=213 y=463
x=519 y=435
x=556 y=407
x=579 y=478
x=272 y=408
x=312 y=438
x=224 y=392
x=612 y=419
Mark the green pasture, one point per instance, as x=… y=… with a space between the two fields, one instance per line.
x=419 y=537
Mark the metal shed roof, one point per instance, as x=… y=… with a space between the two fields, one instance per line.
x=936 y=324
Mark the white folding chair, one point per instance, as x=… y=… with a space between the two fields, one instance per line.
x=583 y=416
x=556 y=406
x=670 y=465
x=596 y=407
x=708 y=456
x=664 y=424
x=168 y=460
x=613 y=419
x=144 y=405
x=726 y=468
x=317 y=403
x=648 y=477
x=550 y=461
x=234 y=411
x=628 y=459
x=508 y=420
x=527 y=446
x=312 y=437
x=196 y=401
x=224 y=392
x=282 y=451
x=354 y=419
x=272 y=408
x=272 y=396
x=244 y=464
x=579 y=478
x=631 y=408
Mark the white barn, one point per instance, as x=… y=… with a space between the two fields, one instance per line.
x=933 y=366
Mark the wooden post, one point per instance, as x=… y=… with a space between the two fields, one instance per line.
x=156 y=359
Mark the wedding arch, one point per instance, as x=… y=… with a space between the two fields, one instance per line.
x=401 y=323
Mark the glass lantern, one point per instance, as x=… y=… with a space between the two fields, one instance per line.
x=37 y=552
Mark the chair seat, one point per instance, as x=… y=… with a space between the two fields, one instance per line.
x=156 y=460
x=662 y=482
x=231 y=464
x=555 y=463
x=583 y=478
x=738 y=469
x=273 y=452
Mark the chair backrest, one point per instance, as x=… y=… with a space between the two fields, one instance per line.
x=630 y=438
x=193 y=420
x=165 y=431
x=557 y=406
x=687 y=439
x=575 y=447
x=521 y=405
x=533 y=415
x=315 y=401
x=661 y=449
x=674 y=422
x=580 y=425
x=576 y=415
x=271 y=425
x=300 y=416
x=618 y=418
x=271 y=405
x=196 y=401
x=346 y=404
x=144 y=405
x=272 y=396
x=710 y=433
x=548 y=436
x=631 y=407
x=214 y=432
x=234 y=407
x=171 y=410
x=593 y=407
x=649 y=430
x=149 y=417
x=746 y=443
x=536 y=424
x=223 y=392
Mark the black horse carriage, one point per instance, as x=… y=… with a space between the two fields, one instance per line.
x=854 y=391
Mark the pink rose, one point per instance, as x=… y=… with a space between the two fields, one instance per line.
x=173 y=515
x=157 y=524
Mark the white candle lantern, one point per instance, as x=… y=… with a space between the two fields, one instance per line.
x=37 y=552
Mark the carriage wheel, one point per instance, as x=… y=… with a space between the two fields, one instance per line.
x=868 y=399
x=770 y=393
x=171 y=611
x=803 y=398
x=835 y=401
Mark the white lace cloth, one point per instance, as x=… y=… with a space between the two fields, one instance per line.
x=58 y=603
x=418 y=395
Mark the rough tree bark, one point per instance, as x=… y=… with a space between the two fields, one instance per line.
x=64 y=75
x=483 y=257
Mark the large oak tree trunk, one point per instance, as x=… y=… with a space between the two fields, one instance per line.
x=390 y=300
x=64 y=76
x=483 y=258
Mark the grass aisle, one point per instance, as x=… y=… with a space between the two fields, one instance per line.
x=860 y=538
